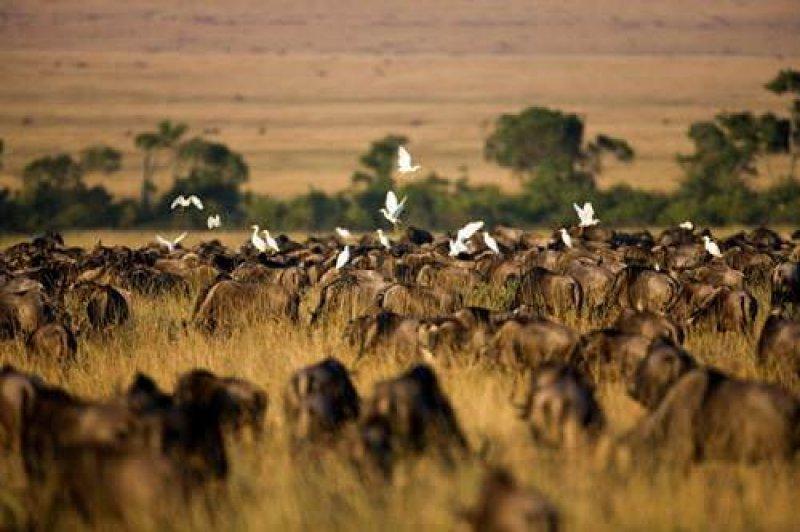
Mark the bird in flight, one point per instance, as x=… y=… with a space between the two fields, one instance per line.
x=466 y=232
x=214 y=221
x=491 y=243
x=393 y=209
x=565 y=238
x=171 y=244
x=183 y=201
x=343 y=258
x=383 y=239
x=586 y=214
x=404 y=161
x=711 y=247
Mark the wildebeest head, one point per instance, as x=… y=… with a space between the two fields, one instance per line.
x=664 y=364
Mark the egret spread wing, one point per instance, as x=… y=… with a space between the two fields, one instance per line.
x=196 y=202
x=180 y=237
x=403 y=157
x=491 y=243
x=400 y=207
x=466 y=232
x=179 y=200
x=391 y=202
x=163 y=241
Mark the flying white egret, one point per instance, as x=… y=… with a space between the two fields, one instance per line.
x=343 y=258
x=183 y=201
x=393 y=208
x=257 y=241
x=343 y=233
x=457 y=247
x=170 y=244
x=711 y=246
x=383 y=239
x=565 y=238
x=271 y=242
x=491 y=243
x=466 y=232
x=404 y=161
x=214 y=221
x=689 y=226
x=586 y=214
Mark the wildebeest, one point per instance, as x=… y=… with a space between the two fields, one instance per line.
x=548 y=293
x=53 y=341
x=779 y=343
x=226 y=303
x=319 y=400
x=560 y=407
x=504 y=506
x=524 y=343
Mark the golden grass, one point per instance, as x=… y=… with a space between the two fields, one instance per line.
x=268 y=489
x=302 y=119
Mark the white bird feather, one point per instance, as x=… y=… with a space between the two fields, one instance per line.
x=393 y=209
x=170 y=244
x=343 y=258
x=183 y=201
x=565 y=238
x=586 y=214
x=466 y=232
x=491 y=243
x=711 y=247
x=383 y=239
x=214 y=221
x=404 y=161
x=257 y=241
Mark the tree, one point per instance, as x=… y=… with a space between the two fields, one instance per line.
x=100 y=158
x=787 y=82
x=165 y=137
x=57 y=172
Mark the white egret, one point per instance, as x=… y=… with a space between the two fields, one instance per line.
x=457 y=247
x=271 y=242
x=343 y=233
x=383 y=239
x=214 y=221
x=565 y=238
x=466 y=232
x=689 y=226
x=183 y=201
x=343 y=258
x=257 y=241
x=170 y=244
x=393 y=208
x=711 y=247
x=585 y=214
x=404 y=161
x=491 y=243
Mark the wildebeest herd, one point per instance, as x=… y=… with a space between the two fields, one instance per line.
x=616 y=307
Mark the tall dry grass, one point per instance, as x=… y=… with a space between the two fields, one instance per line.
x=270 y=488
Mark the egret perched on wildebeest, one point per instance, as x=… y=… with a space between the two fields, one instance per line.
x=404 y=161
x=183 y=201
x=383 y=239
x=466 y=232
x=711 y=247
x=171 y=244
x=393 y=208
x=214 y=221
x=343 y=233
x=457 y=247
x=565 y=238
x=585 y=214
x=689 y=226
x=491 y=243
x=343 y=258
x=257 y=241
x=271 y=242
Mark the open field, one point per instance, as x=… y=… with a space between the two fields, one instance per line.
x=269 y=489
x=301 y=88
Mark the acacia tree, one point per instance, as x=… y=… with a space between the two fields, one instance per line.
x=151 y=143
x=100 y=158
x=787 y=82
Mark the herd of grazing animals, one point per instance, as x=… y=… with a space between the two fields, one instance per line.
x=613 y=307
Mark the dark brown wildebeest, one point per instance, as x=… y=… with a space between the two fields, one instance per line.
x=503 y=506
x=242 y=405
x=779 y=343
x=649 y=324
x=24 y=307
x=54 y=342
x=350 y=293
x=418 y=301
x=611 y=353
x=385 y=330
x=643 y=289
x=225 y=303
x=727 y=310
x=785 y=281
x=319 y=401
x=410 y=414
x=101 y=306
x=17 y=393
x=560 y=407
x=524 y=343
x=549 y=293
x=703 y=414
x=658 y=371
x=595 y=282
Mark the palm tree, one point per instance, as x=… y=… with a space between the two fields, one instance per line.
x=165 y=137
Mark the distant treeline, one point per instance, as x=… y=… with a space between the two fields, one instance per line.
x=545 y=149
